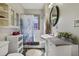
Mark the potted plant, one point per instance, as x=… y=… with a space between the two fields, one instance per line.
x=65 y=35
x=69 y=37
x=75 y=40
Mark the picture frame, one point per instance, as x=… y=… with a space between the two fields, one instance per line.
x=76 y=23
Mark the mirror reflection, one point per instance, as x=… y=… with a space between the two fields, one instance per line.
x=54 y=15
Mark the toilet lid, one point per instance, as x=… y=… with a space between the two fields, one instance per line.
x=15 y=54
x=34 y=52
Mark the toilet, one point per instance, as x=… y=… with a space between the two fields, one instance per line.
x=34 y=52
x=15 y=54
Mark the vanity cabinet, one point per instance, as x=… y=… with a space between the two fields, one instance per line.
x=15 y=43
x=58 y=47
x=64 y=47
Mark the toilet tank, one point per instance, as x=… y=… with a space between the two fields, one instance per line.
x=4 y=48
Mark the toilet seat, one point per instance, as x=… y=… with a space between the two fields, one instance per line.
x=15 y=54
x=34 y=52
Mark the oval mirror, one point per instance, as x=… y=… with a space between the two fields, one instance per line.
x=54 y=15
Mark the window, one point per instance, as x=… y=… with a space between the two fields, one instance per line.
x=36 y=22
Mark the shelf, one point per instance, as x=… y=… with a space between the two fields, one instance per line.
x=13 y=26
x=9 y=27
x=1 y=10
x=3 y=18
x=16 y=35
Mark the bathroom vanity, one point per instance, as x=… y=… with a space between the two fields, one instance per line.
x=58 y=47
x=4 y=48
x=15 y=43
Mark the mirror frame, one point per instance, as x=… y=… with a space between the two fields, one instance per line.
x=57 y=10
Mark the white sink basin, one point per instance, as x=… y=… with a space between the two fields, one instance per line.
x=46 y=36
x=3 y=48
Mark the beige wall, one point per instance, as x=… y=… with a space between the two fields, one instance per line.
x=46 y=15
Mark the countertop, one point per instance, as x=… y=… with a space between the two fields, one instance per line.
x=59 y=41
x=55 y=40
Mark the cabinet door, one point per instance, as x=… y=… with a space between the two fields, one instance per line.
x=64 y=50
x=51 y=48
x=75 y=50
x=12 y=17
x=17 y=19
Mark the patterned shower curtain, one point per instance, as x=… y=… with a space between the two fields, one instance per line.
x=27 y=28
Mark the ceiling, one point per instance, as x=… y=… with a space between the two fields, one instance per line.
x=33 y=5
